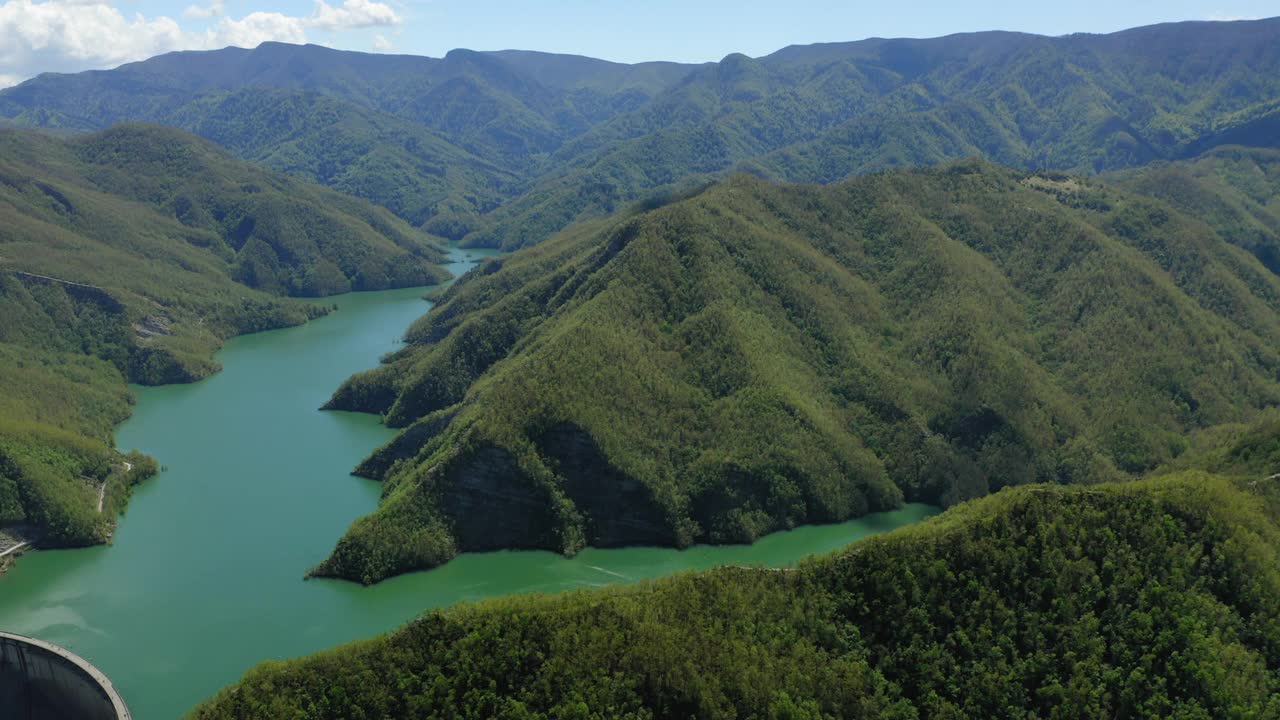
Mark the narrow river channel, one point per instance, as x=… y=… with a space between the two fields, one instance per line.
x=204 y=578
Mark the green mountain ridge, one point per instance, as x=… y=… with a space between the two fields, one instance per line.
x=756 y=356
x=362 y=152
x=507 y=148
x=825 y=113
x=425 y=137
x=276 y=233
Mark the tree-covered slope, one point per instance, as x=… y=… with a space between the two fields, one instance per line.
x=374 y=155
x=268 y=230
x=506 y=148
x=823 y=113
x=1235 y=189
x=1152 y=599
x=128 y=256
x=500 y=105
x=57 y=411
x=758 y=356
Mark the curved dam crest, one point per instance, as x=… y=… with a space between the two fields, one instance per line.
x=204 y=579
x=41 y=681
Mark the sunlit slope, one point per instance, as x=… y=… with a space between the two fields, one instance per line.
x=264 y=229
x=759 y=356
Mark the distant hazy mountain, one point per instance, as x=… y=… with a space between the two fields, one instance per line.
x=504 y=148
x=420 y=135
x=826 y=112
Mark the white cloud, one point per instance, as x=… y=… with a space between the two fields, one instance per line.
x=9 y=80
x=75 y=35
x=256 y=28
x=353 y=14
x=65 y=36
x=381 y=43
x=216 y=8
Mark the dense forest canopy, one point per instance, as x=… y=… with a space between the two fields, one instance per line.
x=264 y=229
x=757 y=356
x=1235 y=189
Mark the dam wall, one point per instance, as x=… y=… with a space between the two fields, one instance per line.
x=41 y=681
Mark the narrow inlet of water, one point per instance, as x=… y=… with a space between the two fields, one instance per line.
x=204 y=577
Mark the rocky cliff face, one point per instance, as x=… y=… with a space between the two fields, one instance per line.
x=616 y=509
x=492 y=504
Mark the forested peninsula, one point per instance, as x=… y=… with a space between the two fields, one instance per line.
x=758 y=356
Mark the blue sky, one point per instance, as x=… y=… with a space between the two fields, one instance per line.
x=72 y=35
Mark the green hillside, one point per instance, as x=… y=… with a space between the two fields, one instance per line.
x=757 y=356
x=392 y=161
x=1234 y=189
x=128 y=256
x=267 y=230
x=1152 y=599
x=507 y=148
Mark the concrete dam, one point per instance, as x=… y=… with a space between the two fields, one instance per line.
x=41 y=681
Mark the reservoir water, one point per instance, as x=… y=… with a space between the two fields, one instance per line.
x=204 y=577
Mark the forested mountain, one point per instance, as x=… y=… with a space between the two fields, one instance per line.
x=129 y=255
x=506 y=148
x=1033 y=279
x=759 y=356
x=429 y=138
x=823 y=113
x=1151 y=599
x=267 y=230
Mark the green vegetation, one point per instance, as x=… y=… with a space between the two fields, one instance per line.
x=823 y=113
x=377 y=156
x=1234 y=189
x=50 y=481
x=440 y=140
x=507 y=148
x=754 y=357
x=684 y=352
x=120 y=254
x=1151 y=599
x=1247 y=451
x=59 y=406
x=265 y=230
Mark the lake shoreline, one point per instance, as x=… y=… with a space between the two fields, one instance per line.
x=203 y=579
